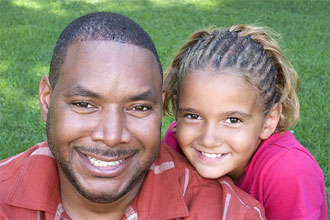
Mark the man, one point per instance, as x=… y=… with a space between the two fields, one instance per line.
x=102 y=103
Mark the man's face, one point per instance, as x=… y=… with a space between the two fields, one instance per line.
x=104 y=119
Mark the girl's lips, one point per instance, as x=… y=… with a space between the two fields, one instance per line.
x=105 y=167
x=209 y=157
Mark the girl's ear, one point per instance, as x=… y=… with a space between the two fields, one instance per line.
x=271 y=121
x=44 y=97
x=175 y=106
x=163 y=93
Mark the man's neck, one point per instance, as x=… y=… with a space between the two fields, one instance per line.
x=78 y=207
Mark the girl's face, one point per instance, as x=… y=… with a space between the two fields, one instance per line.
x=219 y=124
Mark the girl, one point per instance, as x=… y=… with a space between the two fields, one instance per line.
x=233 y=94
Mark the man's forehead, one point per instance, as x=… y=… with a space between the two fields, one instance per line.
x=107 y=50
x=89 y=47
x=108 y=63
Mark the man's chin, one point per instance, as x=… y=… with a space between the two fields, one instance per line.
x=108 y=194
x=101 y=198
x=88 y=192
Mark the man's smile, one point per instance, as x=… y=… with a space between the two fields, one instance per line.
x=101 y=165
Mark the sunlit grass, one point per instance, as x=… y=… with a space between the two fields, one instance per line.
x=28 y=4
x=197 y=3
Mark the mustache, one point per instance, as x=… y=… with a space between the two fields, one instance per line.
x=106 y=152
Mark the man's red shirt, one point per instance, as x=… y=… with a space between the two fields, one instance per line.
x=29 y=189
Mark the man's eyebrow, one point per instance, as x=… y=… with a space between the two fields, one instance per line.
x=81 y=91
x=147 y=96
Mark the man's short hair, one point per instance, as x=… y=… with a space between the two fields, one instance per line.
x=104 y=26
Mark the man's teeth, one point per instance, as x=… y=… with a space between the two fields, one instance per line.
x=211 y=155
x=100 y=163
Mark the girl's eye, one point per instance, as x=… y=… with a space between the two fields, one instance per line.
x=193 y=116
x=233 y=120
x=141 y=108
x=82 y=104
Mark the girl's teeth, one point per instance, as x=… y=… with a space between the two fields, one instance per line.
x=211 y=155
x=100 y=163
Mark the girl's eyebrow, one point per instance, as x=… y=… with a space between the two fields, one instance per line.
x=237 y=113
x=187 y=110
x=225 y=114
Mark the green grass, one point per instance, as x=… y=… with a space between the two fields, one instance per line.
x=29 y=30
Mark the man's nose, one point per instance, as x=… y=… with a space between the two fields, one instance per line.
x=111 y=127
x=210 y=135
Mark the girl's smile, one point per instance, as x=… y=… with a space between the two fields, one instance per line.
x=210 y=157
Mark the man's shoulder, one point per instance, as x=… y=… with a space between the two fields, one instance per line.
x=239 y=198
x=168 y=154
x=173 y=189
x=10 y=166
x=182 y=167
x=200 y=194
x=28 y=181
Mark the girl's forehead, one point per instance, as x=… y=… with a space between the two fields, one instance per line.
x=210 y=72
x=209 y=69
x=215 y=94
x=218 y=87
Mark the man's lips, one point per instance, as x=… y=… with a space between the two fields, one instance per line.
x=105 y=166
x=102 y=163
x=104 y=158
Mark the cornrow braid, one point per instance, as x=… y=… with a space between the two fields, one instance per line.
x=252 y=53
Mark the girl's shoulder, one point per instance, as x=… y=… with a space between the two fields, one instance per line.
x=281 y=147
x=283 y=168
x=282 y=155
x=170 y=138
x=282 y=140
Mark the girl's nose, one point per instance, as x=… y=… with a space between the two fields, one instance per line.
x=210 y=136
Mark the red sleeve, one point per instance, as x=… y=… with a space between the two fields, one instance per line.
x=294 y=188
x=170 y=138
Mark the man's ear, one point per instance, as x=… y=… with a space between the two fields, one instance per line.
x=271 y=121
x=44 y=97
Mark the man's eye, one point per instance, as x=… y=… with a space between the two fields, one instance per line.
x=193 y=116
x=82 y=104
x=233 y=120
x=141 y=108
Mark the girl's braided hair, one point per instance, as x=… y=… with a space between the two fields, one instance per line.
x=251 y=52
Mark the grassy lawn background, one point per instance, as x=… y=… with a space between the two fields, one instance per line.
x=29 y=30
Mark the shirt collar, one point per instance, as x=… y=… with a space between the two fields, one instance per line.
x=160 y=196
